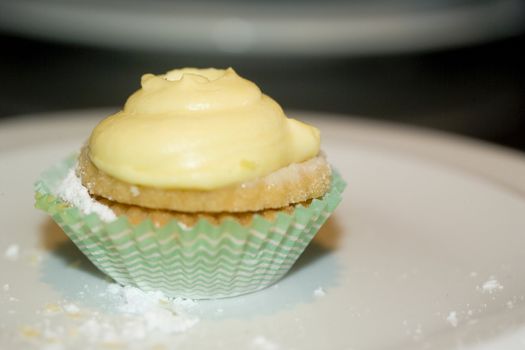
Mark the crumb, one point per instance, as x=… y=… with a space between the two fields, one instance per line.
x=35 y=258
x=134 y=190
x=138 y=317
x=6 y=287
x=491 y=285
x=160 y=313
x=452 y=318
x=71 y=309
x=319 y=292
x=52 y=309
x=12 y=252
x=260 y=342
x=30 y=332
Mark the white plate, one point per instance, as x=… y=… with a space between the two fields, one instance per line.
x=426 y=220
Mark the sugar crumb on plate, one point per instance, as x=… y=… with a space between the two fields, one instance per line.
x=12 y=252
x=452 y=318
x=319 y=292
x=141 y=320
x=263 y=343
x=490 y=286
x=71 y=308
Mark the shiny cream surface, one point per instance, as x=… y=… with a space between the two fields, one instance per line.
x=199 y=129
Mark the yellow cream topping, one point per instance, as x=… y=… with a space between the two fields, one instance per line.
x=199 y=129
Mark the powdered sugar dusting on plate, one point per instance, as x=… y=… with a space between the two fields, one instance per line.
x=159 y=313
x=72 y=191
x=142 y=320
x=452 y=318
x=319 y=292
x=71 y=308
x=12 y=252
x=491 y=285
x=262 y=343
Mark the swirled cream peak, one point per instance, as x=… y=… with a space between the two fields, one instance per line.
x=199 y=129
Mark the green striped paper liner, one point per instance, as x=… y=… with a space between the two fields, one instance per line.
x=199 y=262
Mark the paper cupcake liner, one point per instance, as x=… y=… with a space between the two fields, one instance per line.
x=203 y=261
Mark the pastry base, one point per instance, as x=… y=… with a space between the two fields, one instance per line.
x=159 y=217
x=293 y=184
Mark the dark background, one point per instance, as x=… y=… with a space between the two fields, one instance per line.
x=476 y=89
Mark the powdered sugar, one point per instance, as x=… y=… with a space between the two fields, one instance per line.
x=142 y=319
x=262 y=343
x=144 y=314
x=134 y=190
x=319 y=292
x=72 y=191
x=452 y=318
x=12 y=252
x=159 y=313
x=491 y=285
x=71 y=309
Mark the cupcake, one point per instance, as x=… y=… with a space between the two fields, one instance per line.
x=200 y=187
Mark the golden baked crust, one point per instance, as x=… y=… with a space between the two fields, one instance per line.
x=294 y=184
x=136 y=214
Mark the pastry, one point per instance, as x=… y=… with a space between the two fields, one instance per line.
x=214 y=192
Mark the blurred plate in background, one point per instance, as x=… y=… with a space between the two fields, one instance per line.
x=288 y=27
